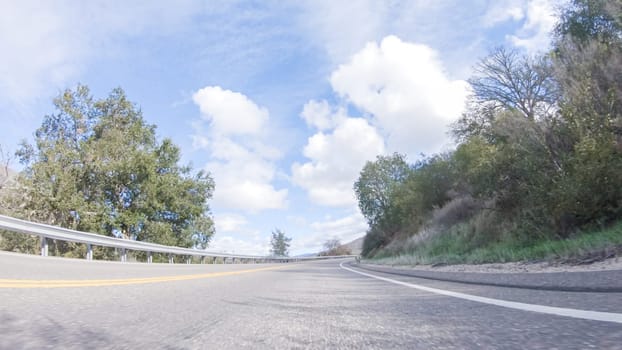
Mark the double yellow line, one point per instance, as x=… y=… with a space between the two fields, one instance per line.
x=18 y=283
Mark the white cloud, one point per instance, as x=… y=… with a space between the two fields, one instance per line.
x=243 y=168
x=336 y=159
x=229 y=222
x=341 y=27
x=200 y=142
x=247 y=194
x=346 y=228
x=320 y=115
x=504 y=10
x=232 y=245
x=32 y=49
x=403 y=89
x=46 y=44
x=230 y=113
x=406 y=90
x=534 y=36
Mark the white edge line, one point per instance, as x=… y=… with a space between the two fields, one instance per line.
x=551 y=310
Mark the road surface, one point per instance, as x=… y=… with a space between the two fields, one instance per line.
x=72 y=304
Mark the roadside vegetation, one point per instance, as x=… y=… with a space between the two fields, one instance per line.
x=279 y=243
x=537 y=172
x=96 y=165
x=452 y=247
x=333 y=247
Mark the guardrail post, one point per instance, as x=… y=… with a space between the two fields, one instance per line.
x=121 y=247
x=89 y=252
x=44 y=246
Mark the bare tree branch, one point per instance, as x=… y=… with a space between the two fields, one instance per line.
x=515 y=82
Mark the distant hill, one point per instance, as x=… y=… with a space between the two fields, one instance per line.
x=356 y=246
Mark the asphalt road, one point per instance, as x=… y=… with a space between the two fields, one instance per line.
x=58 y=303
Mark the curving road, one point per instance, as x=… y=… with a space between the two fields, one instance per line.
x=71 y=304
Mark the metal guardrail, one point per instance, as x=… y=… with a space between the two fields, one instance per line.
x=92 y=239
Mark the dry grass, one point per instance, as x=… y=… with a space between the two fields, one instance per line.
x=455 y=211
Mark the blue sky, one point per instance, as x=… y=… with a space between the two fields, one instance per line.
x=283 y=102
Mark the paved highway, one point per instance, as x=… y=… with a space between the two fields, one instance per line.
x=70 y=304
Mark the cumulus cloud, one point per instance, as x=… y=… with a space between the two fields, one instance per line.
x=233 y=245
x=229 y=222
x=243 y=167
x=405 y=90
x=538 y=18
x=230 y=113
x=534 y=35
x=407 y=101
x=245 y=194
x=335 y=160
x=321 y=115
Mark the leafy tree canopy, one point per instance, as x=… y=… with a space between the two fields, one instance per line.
x=97 y=165
x=376 y=182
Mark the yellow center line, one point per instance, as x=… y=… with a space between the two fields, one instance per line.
x=18 y=283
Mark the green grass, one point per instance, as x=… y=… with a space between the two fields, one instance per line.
x=454 y=246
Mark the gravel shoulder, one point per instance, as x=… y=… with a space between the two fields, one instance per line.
x=600 y=277
x=516 y=267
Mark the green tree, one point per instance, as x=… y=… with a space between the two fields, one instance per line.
x=587 y=20
x=539 y=148
x=588 y=59
x=588 y=54
x=514 y=139
x=280 y=243
x=11 y=201
x=382 y=199
x=97 y=166
x=375 y=184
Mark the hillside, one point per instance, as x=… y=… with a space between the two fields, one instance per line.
x=537 y=168
x=356 y=246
